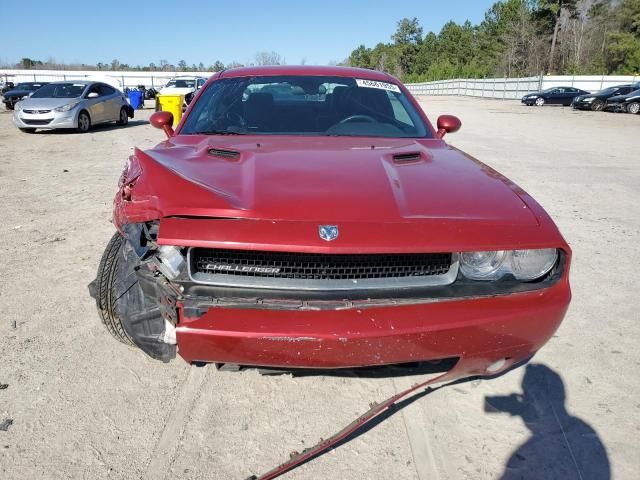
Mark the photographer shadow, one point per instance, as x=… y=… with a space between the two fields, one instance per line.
x=561 y=446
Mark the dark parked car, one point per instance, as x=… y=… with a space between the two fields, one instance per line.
x=386 y=246
x=5 y=87
x=21 y=90
x=553 y=96
x=625 y=103
x=598 y=100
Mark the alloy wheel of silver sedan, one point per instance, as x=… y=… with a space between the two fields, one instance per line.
x=124 y=118
x=539 y=101
x=84 y=122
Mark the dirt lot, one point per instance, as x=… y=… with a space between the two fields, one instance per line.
x=85 y=406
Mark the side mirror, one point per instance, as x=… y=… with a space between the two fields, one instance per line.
x=163 y=120
x=447 y=124
x=93 y=95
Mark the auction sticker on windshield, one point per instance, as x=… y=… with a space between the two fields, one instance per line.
x=374 y=84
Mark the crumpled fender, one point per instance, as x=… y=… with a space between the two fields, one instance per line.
x=149 y=189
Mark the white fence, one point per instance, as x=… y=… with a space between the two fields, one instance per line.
x=504 y=88
x=121 y=79
x=515 y=88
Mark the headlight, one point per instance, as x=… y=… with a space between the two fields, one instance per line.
x=522 y=264
x=67 y=107
x=482 y=265
x=589 y=99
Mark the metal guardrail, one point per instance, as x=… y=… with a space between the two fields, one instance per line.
x=502 y=88
x=515 y=88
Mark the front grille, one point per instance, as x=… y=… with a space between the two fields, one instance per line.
x=36 y=122
x=290 y=270
x=36 y=111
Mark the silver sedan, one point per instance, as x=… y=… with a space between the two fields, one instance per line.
x=72 y=104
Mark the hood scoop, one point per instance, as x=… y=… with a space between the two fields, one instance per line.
x=226 y=154
x=407 y=157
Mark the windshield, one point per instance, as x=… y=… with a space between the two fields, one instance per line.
x=60 y=90
x=305 y=105
x=180 y=83
x=607 y=91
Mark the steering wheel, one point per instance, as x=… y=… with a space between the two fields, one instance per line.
x=235 y=117
x=357 y=118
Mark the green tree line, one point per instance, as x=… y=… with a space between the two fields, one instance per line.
x=260 y=58
x=516 y=38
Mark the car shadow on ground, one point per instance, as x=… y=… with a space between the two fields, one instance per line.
x=104 y=127
x=561 y=446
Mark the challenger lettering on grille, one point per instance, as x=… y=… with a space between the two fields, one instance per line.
x=222 y=267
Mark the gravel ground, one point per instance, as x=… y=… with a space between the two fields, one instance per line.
x=84 y=406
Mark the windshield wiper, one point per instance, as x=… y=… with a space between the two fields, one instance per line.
x=219 y=132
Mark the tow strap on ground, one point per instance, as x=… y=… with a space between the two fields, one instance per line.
x=298 y=458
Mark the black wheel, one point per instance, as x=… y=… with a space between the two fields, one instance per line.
x=124 y=117
x=633 y=107
x=28 y=130
x=130 y=313
x=597 y=105
x=84 y=122
x=106 y=288
x=9 y=106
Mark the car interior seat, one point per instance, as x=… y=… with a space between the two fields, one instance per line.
x=258 y=111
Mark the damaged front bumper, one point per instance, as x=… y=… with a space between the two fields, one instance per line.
x=478 y=332
x=483 y=328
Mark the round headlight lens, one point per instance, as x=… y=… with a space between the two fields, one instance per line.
x=482 y=265
x=532 y=264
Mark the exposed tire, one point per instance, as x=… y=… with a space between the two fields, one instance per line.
x=84 y=122
x=124 y=117
x=633 y=107
x=9 y=106
x=597 y=106
x=127 y=304
x=28 y=130
x=539 y=101
x=105 y=289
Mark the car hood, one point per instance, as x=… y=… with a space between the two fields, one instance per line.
x=328 y=179
x=602 y=96
x=47 y=103
x=17 y=93
x=175 y=91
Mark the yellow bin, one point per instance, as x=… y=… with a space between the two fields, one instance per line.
x=171 y=103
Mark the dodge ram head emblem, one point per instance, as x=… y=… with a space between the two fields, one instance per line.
x=328 y=232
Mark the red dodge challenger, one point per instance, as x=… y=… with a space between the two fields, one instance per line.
x=312 y=217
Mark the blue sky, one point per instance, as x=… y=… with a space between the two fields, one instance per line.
x=139 y=32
